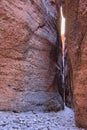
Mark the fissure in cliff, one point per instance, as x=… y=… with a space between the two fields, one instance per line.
x=66 y=75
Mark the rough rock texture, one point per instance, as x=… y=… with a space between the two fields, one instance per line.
x=76 y=33
x=28 y=47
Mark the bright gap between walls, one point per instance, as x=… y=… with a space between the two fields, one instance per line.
x=63 y=45
x=62 y=25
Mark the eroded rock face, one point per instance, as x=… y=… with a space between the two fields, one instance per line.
x=76 y=33
x=28 y=37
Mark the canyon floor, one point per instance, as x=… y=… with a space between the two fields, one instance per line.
x=62 y=120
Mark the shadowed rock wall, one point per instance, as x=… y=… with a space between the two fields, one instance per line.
x=75 y=12
x=28 y=48
x=68 y=79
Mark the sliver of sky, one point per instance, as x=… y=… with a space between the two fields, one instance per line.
x=62 y=23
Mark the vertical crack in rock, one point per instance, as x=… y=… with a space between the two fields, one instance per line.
x=66 y=90
x=68 y=79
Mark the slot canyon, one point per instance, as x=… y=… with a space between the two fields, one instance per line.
x=40 y=71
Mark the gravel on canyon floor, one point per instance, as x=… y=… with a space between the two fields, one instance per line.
x=62 y=120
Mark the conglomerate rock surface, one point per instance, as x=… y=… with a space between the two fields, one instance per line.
x=75 y=12
x=28 y=38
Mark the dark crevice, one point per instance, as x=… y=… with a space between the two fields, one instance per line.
x=65 y=76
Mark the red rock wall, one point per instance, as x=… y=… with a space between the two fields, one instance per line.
x=28 y=37
x=75 y=12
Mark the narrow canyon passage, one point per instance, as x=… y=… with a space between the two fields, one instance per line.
x=42 y=67
x=66 y=78
x=39 y=120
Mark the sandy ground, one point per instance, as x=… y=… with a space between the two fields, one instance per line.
x=63 y=120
